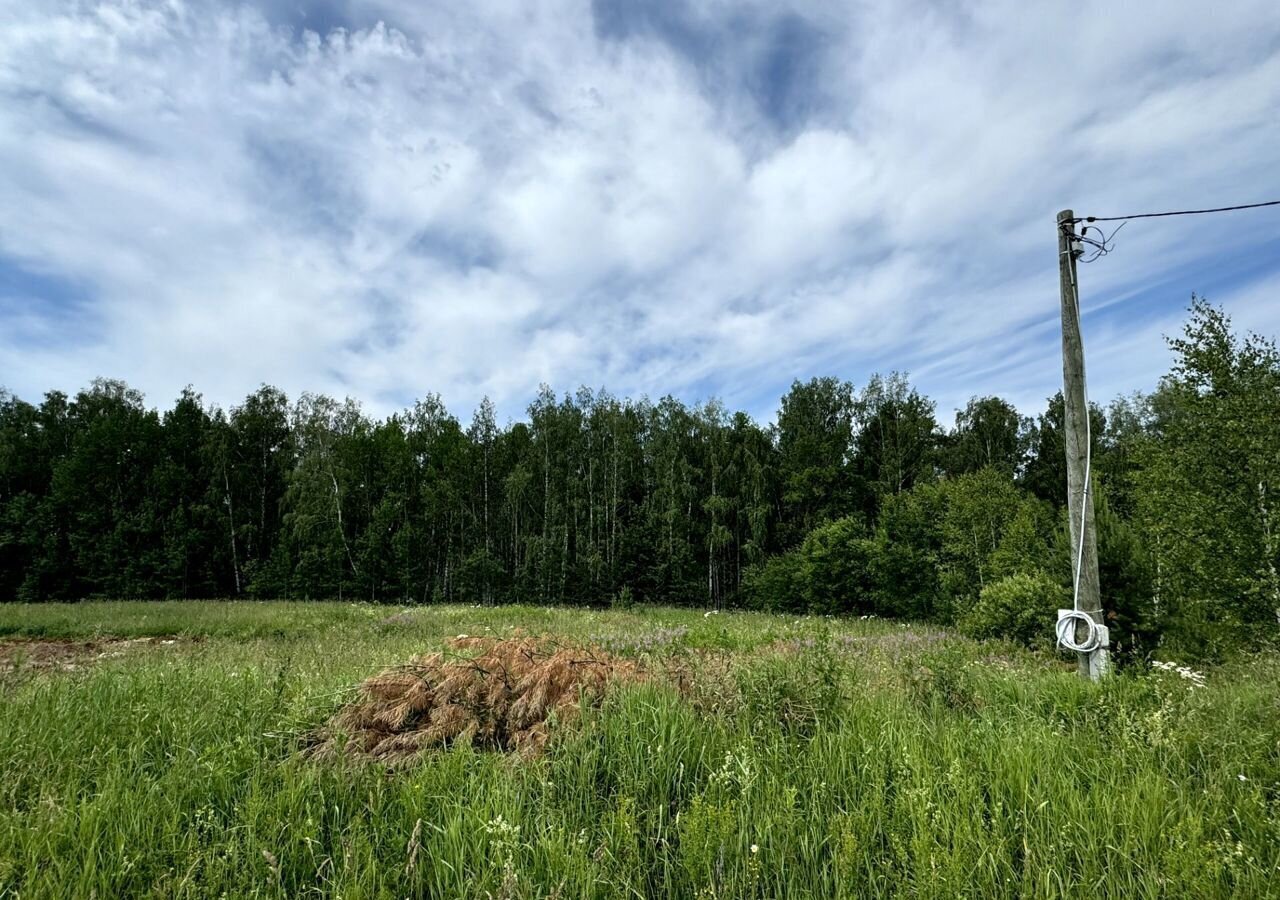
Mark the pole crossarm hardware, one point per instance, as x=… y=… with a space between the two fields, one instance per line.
x=1080 y=629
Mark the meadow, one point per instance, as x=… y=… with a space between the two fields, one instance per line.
x=157 y=755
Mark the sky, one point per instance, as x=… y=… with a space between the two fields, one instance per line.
x=706 y=199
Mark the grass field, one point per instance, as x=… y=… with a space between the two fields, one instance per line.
x=810 y=758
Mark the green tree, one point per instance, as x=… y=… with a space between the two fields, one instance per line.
x=897 y=443
x=1208 y=486
x=989 y=433
x=254 y=458
x=324 y=497
x=183 y=500
x=1045 y=472
x=100 y=495
x=815 y=436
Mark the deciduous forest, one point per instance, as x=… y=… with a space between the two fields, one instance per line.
x=856 y=501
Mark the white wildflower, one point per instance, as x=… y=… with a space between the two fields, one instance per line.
x=1186 y=673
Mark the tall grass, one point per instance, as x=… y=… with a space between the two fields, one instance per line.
x=812 y=759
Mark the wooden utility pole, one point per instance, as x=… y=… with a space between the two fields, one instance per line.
x=1084 y=563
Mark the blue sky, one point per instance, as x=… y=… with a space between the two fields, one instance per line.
x=381 y=199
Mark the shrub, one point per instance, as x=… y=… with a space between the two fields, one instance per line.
x=836 y=568
x=624 y=599
x=831 y=572
x=1021 y=607
x=905 y=579
x=776 y=585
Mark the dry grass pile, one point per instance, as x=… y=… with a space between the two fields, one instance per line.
x=495 y=694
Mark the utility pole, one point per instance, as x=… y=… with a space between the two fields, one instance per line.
x=1089 y=628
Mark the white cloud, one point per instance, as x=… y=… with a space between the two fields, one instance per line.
x=477 y=198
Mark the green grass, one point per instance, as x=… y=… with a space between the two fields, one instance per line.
x=857 y=758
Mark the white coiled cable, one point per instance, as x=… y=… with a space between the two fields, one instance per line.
x=1067 y=632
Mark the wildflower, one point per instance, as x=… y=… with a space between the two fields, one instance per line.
x=1186 y=673
x=755 y=848
x=501 y=827
x=1241 y=777
x=272 y=863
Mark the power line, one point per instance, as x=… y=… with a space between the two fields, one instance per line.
x=1180 y=212
x=1103 y=244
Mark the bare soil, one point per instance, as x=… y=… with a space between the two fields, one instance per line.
x=32 y=655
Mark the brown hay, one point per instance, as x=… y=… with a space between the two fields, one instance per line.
x=491 y=693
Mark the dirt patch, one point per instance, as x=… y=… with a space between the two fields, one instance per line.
x=399 y=620
x=495 y=694
x=30 y=655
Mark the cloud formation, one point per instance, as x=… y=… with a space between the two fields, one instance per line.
x=383 y=199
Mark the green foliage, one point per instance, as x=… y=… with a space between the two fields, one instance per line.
x=1207 y=488
x=480 y=577
x=625 y=598
x=936 y=548
x=1021 y=607
x=1026 y=541
x=989 y=433
x=909 y=576
x=815 y=432
x=831 y=573
x=835 y=568
x=897 y=446
x=940 y=544
x=978 y=510
x=1045 y=472
x=776 y=584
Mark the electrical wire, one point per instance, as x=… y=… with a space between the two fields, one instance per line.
x=1179 y=212
x=1067 y=622
x=1101 y=246
x=1088 y=443
x=1105 y=244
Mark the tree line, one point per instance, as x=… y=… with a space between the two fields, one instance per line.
x=853 y=501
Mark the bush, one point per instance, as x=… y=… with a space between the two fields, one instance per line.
x=835 y=568
x=624 y=599
x=775 y=585
x=905 y=579
x=1021 y=607
x=830 y=573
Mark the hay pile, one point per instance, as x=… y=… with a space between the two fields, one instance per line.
x=495 y=694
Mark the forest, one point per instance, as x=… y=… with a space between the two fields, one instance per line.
x=855 y=501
